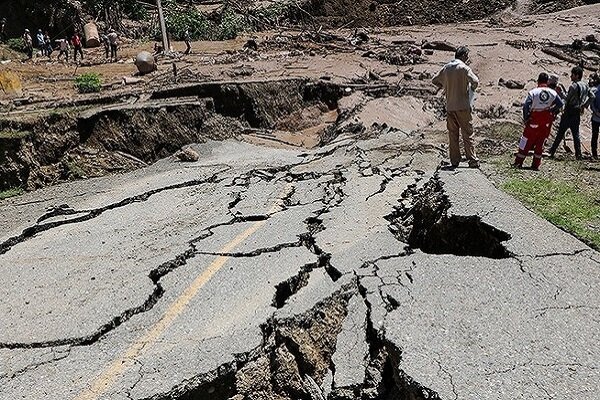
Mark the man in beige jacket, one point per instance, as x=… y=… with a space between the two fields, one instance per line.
x=459 y=83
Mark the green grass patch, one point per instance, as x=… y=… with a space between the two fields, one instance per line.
x=16 y=44
x=88 y=83
x=10 y=134
x=505 y=130
x=75 y=170
x=12 y=192
x=561 y=203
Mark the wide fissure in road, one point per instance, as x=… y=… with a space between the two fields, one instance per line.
x=356 y=270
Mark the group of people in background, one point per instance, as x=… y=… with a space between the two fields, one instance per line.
x=541 y=108
x=110 y=42
x=577 y=99
x=46 y=46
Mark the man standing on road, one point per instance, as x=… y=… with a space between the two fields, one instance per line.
x=553 y=83
x=41 y=42
x=459 y=83
x=540 y=109
x=3 y=36
x=578 y=98
x=106 y=44
x=595 y=83
x=48 y=45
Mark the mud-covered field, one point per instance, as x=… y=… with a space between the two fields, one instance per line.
x=50 y=133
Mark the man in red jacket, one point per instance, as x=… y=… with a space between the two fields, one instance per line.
x=539 y=111
x=77 y=46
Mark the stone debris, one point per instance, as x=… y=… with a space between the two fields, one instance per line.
x=145 y=63
x=439 y=45
x=187 y=154
x=405 y=55
x=511 y=84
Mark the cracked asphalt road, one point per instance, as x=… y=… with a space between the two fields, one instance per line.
x=166 y=282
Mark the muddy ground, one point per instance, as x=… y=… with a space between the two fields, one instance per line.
x=50 y=133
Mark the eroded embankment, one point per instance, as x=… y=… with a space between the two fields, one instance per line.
x=44 y=149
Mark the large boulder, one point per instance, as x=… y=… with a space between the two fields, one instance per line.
x=145 y=62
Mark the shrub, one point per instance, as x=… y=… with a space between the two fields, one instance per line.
x=16 y=44
x=231 y=25
x=132 y=9
x=180 y=19
x=275 y=13
x=12 y=192
x=88 y=83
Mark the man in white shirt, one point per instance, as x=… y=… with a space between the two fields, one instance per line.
x=459 y=83
x=113 y=39
x=41 y=42
x=64 y=49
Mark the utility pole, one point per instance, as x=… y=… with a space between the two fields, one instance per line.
x=163 y=27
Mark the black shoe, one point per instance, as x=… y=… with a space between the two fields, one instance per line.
x=448 y=167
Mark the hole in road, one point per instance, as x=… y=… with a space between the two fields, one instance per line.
x=426 y=225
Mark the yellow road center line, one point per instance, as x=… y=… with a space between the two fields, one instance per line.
x=118 y=367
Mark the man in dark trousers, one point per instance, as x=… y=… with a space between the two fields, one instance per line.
x=187 y=38
x=3 y=36
x=113 y=40
x=540 y=109
x=459 y=84
x=106 y=43
x=595 y=84
x=63 y=49
x=77 y=46
x=578 y=98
